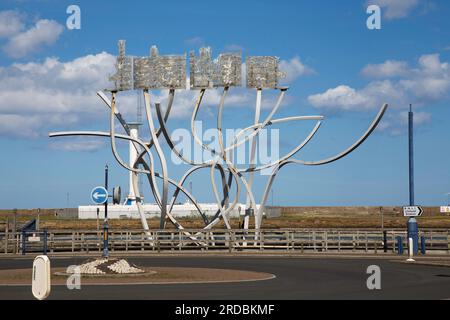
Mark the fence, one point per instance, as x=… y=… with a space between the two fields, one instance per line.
x=289 y=240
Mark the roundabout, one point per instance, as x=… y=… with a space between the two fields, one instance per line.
x=236 y=278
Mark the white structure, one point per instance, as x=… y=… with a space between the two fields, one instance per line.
x=134 y=133
x=153 y=211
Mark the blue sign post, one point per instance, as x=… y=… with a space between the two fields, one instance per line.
x=99 y=195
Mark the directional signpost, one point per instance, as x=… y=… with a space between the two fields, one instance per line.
x=99 y=195
x=412 y=211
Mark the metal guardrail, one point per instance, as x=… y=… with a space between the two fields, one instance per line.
x=289 y=240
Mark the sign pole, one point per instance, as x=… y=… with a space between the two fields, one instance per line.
x=411 y=155
x=412 y=226
x=105 y=224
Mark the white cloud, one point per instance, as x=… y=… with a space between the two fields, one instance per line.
x=425 y=84
x=11 y=23
x=394 y=9
x=37 y=97
x=294 y=68
x=388 y=69
x=44 y=32
x=342 y=97
x=18 y=125
x=78 y=144
x=396 y=124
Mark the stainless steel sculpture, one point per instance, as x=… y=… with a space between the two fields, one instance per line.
x=169 y=72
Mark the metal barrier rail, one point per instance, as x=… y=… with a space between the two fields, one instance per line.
x=301 y=240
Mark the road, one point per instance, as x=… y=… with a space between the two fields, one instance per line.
x=296 y=278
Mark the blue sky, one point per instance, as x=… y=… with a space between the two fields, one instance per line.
x=337 y=67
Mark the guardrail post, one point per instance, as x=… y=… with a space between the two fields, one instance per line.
x=314 y=241
x=339 y=241
x=367 y=242
x=45 y=241
x=353 y=243
x=6 y=238
x=16 y=243
x=448 y=242
x=261 y=240
x=158 y=242
x=82 y=243
x=423 y=249
x=24 y=239
x=51 y=242
x=288 y=242
x=400 y=245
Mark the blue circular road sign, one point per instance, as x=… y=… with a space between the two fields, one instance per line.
x=99 y=195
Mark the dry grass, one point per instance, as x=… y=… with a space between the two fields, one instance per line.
x=292 y=217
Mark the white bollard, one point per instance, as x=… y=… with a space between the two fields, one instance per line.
x=411 y=250
x=41 y=284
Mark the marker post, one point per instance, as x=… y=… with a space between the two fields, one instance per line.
x=105 y=224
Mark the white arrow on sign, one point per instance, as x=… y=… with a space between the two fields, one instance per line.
x=98 y=195
x=412 y=211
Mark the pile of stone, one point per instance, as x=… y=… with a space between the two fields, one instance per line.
x=108 y=266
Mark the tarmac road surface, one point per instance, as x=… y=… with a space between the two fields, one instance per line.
x=296 y=278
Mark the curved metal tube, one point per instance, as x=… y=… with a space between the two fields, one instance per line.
x=161 y=158
x=372 y=127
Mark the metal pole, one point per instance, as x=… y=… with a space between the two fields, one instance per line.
x=411 y=155
x=412 y=229
x=45 y=241
x=98 y=222
x=382 y=218
x=24 y=245
x=38 y=218
x=105 y=225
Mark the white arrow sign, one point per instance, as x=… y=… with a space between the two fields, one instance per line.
x=412 y=211
x=98 y=195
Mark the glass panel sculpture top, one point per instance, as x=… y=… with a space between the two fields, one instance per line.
x=208 y=73
x=123 y=79
x=153 y=72
x=263 y=72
